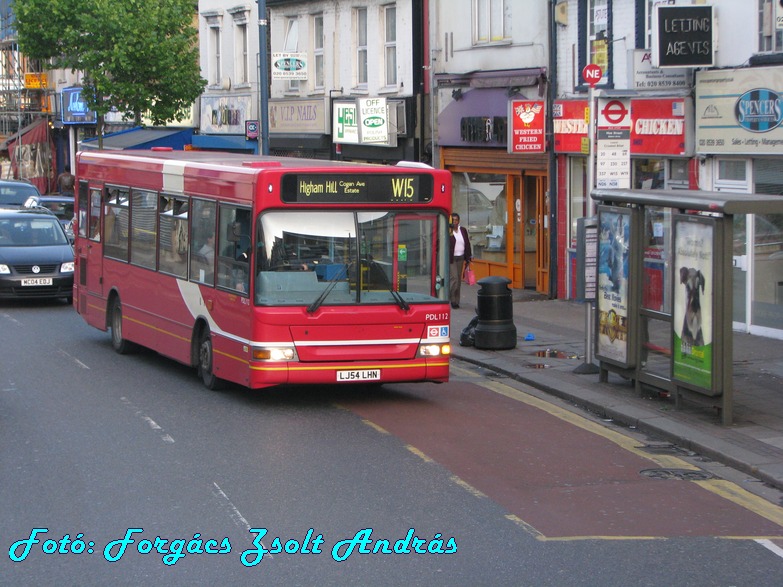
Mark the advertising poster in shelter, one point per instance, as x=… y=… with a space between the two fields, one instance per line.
x=692 y=318
x=612 y=295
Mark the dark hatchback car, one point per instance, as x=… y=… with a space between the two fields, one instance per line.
x=36 y=259
x=13 y=194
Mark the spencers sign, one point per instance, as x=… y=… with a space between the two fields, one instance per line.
x=683 y=36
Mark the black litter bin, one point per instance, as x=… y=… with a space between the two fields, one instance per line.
x=495 y=328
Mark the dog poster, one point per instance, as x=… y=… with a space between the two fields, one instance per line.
x=692 y=319
x=612 y=295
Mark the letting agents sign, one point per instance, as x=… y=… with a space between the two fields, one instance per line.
x=683 y=36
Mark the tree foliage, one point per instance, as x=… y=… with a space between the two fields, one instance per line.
x=138 y=56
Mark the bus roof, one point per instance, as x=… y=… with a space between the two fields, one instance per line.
x=239 y=160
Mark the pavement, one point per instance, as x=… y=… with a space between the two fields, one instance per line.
x=550 y=353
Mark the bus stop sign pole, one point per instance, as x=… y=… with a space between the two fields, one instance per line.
x=592 y=74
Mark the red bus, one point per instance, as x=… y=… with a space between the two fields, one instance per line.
x=265 y=271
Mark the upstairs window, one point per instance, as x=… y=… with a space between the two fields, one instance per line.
x=292 y=46
x=318 y=50
x=490 y=24
x=390 y=44
x=360 y=18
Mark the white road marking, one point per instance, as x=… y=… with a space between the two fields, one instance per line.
x=771 y=546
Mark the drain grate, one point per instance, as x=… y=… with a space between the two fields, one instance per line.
x=678 y=474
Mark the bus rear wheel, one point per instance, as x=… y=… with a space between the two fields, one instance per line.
x=120 y=345
x=205 y=362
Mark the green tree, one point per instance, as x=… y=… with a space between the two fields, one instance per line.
x=138 y=56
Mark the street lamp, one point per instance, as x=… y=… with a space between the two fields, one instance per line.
x=263 y=77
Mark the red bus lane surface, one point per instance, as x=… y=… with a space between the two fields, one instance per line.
x=559 y=475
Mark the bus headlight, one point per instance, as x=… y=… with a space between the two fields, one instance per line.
x=274 y=354
x=434 y=350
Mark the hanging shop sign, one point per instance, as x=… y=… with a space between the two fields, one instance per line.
x=526 y=128
x=74 y=108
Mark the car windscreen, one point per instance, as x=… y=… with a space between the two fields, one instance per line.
x=16 y=195
x=31 y=232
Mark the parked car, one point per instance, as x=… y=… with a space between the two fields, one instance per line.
x=14 y=193
x=60 y=206
x=36 y=259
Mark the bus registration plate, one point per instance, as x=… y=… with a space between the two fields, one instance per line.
x=359 y=375
x=37 y=281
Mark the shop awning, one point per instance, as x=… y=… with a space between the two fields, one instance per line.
x=142 y=138
x=10 y=139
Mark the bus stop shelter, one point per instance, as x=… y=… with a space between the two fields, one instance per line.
x=663 y=295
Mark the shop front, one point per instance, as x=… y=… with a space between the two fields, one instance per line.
x=300 y=128
x=661 y=157
x=739 y=141
x=500 y=193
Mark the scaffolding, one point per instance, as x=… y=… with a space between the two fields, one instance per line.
x=24 y=85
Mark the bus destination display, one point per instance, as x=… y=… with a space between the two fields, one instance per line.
x=365 y=188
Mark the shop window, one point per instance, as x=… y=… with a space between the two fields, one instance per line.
x=648 y=174
x=480 y=200
x=767 y=239
x=577 y=188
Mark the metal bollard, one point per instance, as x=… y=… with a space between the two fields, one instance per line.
x=495 y=328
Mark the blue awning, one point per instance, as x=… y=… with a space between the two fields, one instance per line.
x=142 y=138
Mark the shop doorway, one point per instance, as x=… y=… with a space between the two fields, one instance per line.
x=532 y=253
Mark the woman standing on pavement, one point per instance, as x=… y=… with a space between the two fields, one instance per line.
x=459 y=254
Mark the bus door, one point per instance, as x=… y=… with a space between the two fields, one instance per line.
x=414 y=257
x=91 y=257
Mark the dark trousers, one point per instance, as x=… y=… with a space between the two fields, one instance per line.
x=455 y=278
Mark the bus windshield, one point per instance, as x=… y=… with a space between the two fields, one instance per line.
x=316 y=258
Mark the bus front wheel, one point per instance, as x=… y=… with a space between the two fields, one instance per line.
x=205 y=363
x=119 y=344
